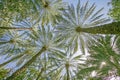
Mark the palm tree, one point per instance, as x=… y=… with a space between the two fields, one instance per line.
x=103 y=60
x=104 y=57
x=44 y=10
x=28 y=38
x=19 y=57
x=39 y=8
x=45 y=42
x=76 y=19
x=38 y=69
x=66 y=64
x=12 y=42
x=49 y=11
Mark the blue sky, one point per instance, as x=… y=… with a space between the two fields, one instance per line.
x=99 y=4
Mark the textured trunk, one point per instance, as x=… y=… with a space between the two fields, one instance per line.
x=14 y=28
x=12 y=59
x=67 y=71
x=23 y=68
x=68 y=76
x=111 y=28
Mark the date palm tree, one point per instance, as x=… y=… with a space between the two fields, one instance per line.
x=34 y=35
x=104 y=57
x=12 y=42
x=49 y=11
x=45 y=42
x=39 y=69
x=67 y=64
x=32 y=8
x=76 y=21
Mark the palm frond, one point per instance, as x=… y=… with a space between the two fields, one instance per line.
x=103 y=51
x=76 y=19
x=67 y=64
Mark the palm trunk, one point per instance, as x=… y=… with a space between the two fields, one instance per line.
x=112 y=28
x=68 y=77
x=12 y=59
x=23 y=68
x=14 y=28
x=67 y=70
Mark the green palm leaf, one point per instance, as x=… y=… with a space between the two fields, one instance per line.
x=103 y=56
x=75 y=20
x=67 y=64
x=45 y=44
x=49 y=11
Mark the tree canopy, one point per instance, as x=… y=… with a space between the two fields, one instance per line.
x=114 y=11
x=53 y=40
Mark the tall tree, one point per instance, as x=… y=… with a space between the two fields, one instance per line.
x=77 y=19
x=45 y=42
x=114 y=11
x=104 y=56
x=37 y=31
x=67 y=63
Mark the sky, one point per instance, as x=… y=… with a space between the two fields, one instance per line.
x=99 y=4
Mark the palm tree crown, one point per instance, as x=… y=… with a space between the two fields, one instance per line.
x=75 y=20
x=68 y=63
